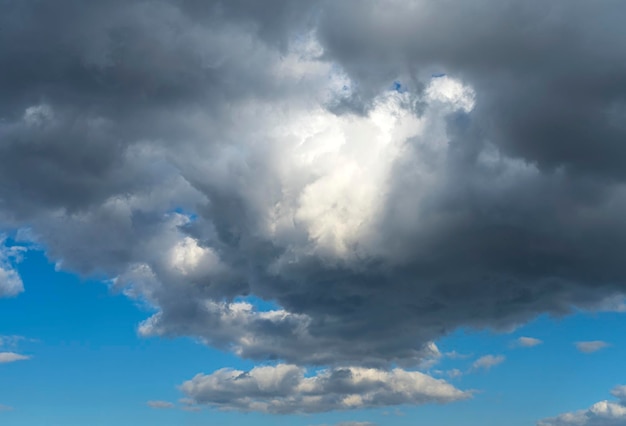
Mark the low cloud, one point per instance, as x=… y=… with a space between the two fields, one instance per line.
x=527 y=342
x=591 y=346
x=7 y=357
x=603 y=413
x=10 y=280
x=286 y=389
x=160 y=404
x=488 y=361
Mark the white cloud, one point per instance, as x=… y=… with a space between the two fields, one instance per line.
x=10 y=280
x=528 y=342
x=488 y=361
x=603 y=413
x=591 y=346
x=287 y=389
x=7 y=357
x=160 y=404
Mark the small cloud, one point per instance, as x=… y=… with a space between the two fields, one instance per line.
x=356 y=424
x=160 y=404
x=7 y=357
x=527 y=342
x=603 y=413
x=5 y=408
x=488 y=361
x=456 y=355
x=591 y=346
x=454 y=373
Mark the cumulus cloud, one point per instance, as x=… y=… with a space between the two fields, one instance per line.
x=10 y=280
x=198 y=153
x=603 y=413
x=527 y=342
x=284 y=389
x=8 y=357
x=160 y=404
x=488 y=361
x=591 y=346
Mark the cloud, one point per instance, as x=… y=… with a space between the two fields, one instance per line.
x=285 y=389
x=10 y=280
x=488 y=361
x=591 y=346
x=160 y=404
x=10 y=341
x=7 y=357
x=356 y=424
x=528 y=342
x=603 y=413
x=5 y=408
x=201 y=153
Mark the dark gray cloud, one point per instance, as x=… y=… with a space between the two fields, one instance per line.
x=198 y=153
x=285 y=389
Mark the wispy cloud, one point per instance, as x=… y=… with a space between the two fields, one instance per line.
x=527 y=342
x=160 y=404
x=7 y=357
x=488 y=361
x=591 y=346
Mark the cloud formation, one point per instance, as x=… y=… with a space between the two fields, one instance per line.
x=10 y=280
x=160 y=404
x=591 y=346
x=603 y=413
x=488 y=361
x=8 y=357
x=528 y=342
x=285 y=389
x=383 y=171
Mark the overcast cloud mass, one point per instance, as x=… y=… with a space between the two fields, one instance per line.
x=382 y=171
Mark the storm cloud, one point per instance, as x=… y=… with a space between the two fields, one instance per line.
x=382 y=172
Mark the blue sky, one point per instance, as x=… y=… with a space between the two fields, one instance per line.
x=89 y=365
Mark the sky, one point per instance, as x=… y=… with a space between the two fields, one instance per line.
x=312 y=212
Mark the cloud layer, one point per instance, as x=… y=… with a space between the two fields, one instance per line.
x=287 y=389
x=383 y=172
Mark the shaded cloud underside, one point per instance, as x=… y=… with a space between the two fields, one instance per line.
x=216 y=150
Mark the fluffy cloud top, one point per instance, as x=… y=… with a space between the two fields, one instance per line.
x=603 y=413
x=301 y=152
x=287 y=389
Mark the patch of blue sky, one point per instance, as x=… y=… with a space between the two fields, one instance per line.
x=258 y=303
x=534 y=382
